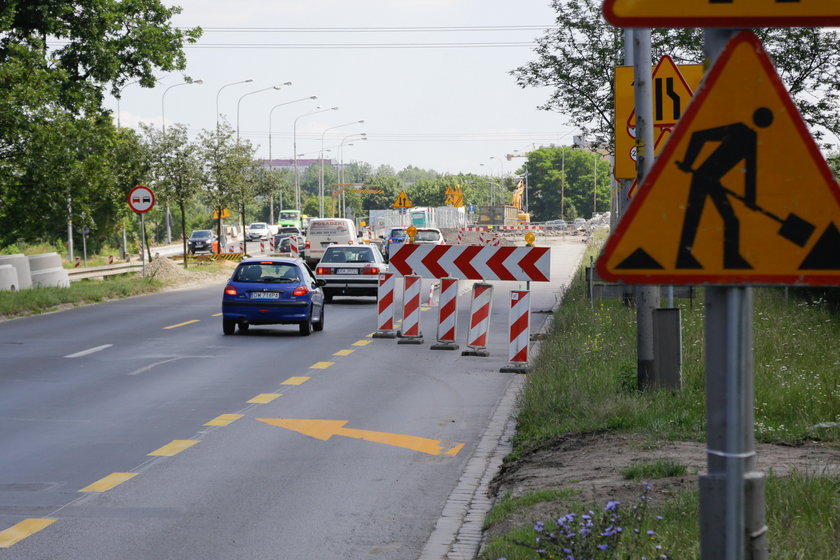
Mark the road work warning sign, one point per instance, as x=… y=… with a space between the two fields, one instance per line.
x=740 y=194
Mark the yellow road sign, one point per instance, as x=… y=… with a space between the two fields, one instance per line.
x=325 y=429
x=740 y=194
x=673 y=88
x=402 y=201
x=225 y=214
x=722 y=13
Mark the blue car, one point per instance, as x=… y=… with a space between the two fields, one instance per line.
x=271 y=291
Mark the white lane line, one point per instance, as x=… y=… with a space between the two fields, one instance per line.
x=88 y=351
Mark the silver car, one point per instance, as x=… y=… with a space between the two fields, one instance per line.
x=350 y=270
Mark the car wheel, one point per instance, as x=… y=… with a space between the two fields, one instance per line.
x=319 y=326
x=306 y=326
x=243 y=328
x=228 y=326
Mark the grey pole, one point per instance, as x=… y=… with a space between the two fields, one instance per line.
x=626 y=184
x=647 y=297
x=732 y=518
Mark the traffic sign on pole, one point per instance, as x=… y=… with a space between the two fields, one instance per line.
x=141 y=199
x=402 y=201
x=722 y=13
x=740 y=194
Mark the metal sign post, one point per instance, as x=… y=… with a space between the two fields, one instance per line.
x=142 y=199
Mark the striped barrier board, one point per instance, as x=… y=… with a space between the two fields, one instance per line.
x=480 y=307
x=520 y=332
x=447 y=315
x=473 y=262
x=410 y=333
x=385 y=305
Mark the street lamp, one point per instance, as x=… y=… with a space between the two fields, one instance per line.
x=277 y=87
x=217 y=98
x=361 y=136
x=163 y=97
x=294 y=147
x=119 y=94
x=321 y=175
x=270 y=160
x=163 y=128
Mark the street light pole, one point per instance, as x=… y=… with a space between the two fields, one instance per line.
x=360 y=136
x=219 y=93
x=294 y=147
x=119 y=94
x=270 y=160
x=241 y=97
x=163 y=129
x=321 y=174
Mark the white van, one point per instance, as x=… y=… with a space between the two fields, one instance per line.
x=323 y=232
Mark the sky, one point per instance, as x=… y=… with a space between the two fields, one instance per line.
x=451 y=109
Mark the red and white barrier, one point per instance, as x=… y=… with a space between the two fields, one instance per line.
x=410 y=333
x=385 y=303
x=262 y=246
x=482 y=299
x=293 y=247
x=78 y=262
x=520 y=331
x=110 y=259
x=447 y=315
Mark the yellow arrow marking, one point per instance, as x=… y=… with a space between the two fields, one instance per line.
x=108 y=482
x=25 y=528
x=325 y=429
x=181 y=324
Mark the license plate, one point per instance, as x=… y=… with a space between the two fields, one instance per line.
x=265 y=295
x=347 y=271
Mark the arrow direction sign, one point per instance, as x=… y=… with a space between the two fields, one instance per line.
x=741 y=193
x=473 y=262
x=402 y=201
x=722 y=13
x=325 y=429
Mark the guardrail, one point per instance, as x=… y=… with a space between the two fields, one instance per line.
x=104 y=270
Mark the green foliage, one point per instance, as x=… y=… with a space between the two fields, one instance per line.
x=576 y=56
x=649 y=470
x=507 y=505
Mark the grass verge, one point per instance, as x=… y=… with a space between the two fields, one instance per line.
x=584 y=381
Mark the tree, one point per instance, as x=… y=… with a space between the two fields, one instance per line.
x=175 y=168
x=576 y=59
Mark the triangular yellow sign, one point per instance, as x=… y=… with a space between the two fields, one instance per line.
x=402 y=201
x=450 y=191
x=740 y=194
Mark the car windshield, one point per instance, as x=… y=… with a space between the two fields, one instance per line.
x=288 y=230
x=427 y=236
x=267 y=272
x=348 y=255
x=257 y=226
x=398 y=233
x=201 y=234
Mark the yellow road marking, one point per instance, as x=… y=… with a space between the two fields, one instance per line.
x=424 y=308
x=321 y=365
x=343 y=352
x=295 y=381
x=108 y=482
x=216 y=315
x=173 y=448
x=224 y=419
x=362 y=342
x=181 y=324
x=25 y=528
x=325 y=429
x=265 y=398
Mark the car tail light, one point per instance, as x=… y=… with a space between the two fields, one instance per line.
x=230 y=290
x=321 y=270
x=307 y=244
x=300 y=291
x=370 y=270
x=350 y=242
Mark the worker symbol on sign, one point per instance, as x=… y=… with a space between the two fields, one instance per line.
x=737 y=142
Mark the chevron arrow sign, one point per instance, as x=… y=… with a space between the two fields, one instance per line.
x=473 y=262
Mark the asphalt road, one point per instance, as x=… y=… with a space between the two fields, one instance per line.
x=135 y=430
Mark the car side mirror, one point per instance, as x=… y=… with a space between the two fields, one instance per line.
x=320 y=282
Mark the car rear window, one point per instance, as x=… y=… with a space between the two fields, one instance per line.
x=398 y=233
x=267 y=272
x=348 y=255
x=427 y=236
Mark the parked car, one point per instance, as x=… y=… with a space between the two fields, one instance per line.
x=559 y=225
x=350 y=270
x=258 y=231
x=271 y=291
x=579 y=224
x=201 y=240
